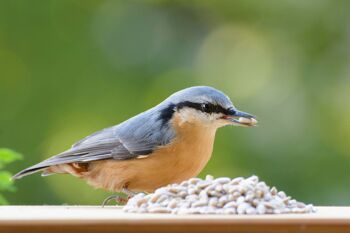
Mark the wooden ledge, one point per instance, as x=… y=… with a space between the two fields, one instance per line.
x=52 y=219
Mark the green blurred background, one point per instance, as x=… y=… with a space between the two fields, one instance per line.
x=69 y=68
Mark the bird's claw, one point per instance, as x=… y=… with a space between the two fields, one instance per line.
x=118 y=199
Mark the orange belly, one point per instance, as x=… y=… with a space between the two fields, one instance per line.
x=184 y=158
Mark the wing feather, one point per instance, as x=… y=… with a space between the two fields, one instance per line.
x=138 y=136
x=99 y=146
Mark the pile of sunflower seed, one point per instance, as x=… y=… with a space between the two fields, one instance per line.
x=217 y=196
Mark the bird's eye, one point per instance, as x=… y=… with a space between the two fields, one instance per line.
x=206 y=107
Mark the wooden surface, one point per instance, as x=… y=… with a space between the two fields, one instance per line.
x=52 y=219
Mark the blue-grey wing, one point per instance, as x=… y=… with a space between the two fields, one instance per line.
x=105 y=144
x=139 y=135
x=101 y=145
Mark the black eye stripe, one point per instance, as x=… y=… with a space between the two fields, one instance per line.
x=206 y=107
x=167 y=113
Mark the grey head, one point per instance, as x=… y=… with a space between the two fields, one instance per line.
x=201 y=94
x=204 y=104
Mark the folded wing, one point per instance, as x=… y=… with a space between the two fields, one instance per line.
x=104 y=144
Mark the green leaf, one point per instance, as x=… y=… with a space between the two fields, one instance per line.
x=3 y=201
x=8 y=156
x=6 y=183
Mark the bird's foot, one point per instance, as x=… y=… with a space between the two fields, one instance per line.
x=117 y=198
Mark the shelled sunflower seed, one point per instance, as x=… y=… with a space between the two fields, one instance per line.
x=217 y=196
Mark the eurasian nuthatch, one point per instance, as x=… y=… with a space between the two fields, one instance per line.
x=166 y=144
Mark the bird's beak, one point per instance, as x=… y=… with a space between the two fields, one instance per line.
x=236 y=117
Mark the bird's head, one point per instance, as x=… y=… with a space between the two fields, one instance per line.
x=206 y=106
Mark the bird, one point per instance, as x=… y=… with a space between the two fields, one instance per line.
x=168 y=143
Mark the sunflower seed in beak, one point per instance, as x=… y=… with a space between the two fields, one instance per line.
x=247 y=121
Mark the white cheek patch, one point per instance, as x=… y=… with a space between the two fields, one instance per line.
x=193 y=115
x=214 y=116
x=188 y=115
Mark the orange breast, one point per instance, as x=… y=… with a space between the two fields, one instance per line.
x=184 y=158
